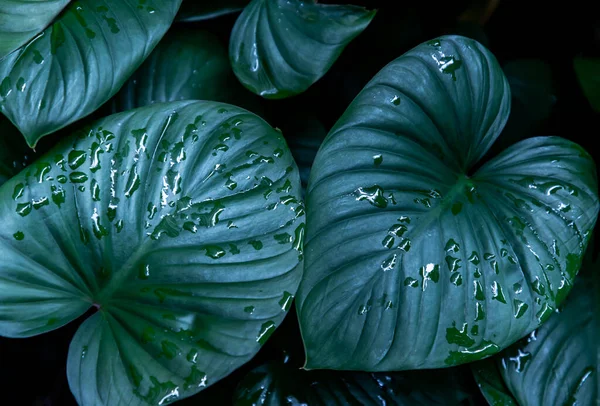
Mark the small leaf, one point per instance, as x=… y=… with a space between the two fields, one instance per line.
x=279 y=48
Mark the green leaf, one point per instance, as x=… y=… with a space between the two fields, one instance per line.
x=588 y=74
x=275 y=384
x=21 y=20
x=279 y=48
x=79 y=62
x=193 y=10
x=488 y=378
x=558 y=363
x=182 y=223
x=201 y=72
x=414 y=257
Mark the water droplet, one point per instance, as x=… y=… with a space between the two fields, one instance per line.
x=395 y=101
x=256 y=244
x=429 y=272
x=374 y=195
x=6 y=87
x=412 y=282
x=520 y=308
x=19 y=236
x=37 y=57
x=286 y=301
x=18 y=191
x=389 y=263
x=78 y=177
x=265 y=332
x=21 y=85
x=498 y=293
x=377 y=159
x=144 y=271
x=249 y=309
x=459 y=337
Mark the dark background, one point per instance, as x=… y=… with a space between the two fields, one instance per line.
x=33 y=370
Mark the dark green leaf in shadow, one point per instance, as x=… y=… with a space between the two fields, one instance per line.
x=277 y=383
x=181 y=222
x=186 y=65
x=195 y=10
x=490 y=382
x=79 y=62
x=279 y=48
x=588 y=74
x=417 y=257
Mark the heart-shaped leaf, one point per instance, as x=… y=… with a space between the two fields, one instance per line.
x=21 y=20
x=194 y=10
x=417 y=259
x=558 y=363
x=79 y=62
x=279 y=48
x=275 y=384
x=182 y=223
x=202 y=72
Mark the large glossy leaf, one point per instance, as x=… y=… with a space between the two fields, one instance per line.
x=417 y=259
x=21 y=20
x=559 y=363
x=275 y=384
x=79 y=62
x=279 y=48
x=180 y=222
x=194 y=10
x=202 y=72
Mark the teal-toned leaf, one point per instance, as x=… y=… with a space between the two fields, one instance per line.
x=588 y=74
x=194 y=10
x=202 y=72
x=415 y=258
x=275 y=384
x=559 y=363
x=21 y=20
x=79 y=62
x=279 y=48
x=182 y=223
x=490 y=382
